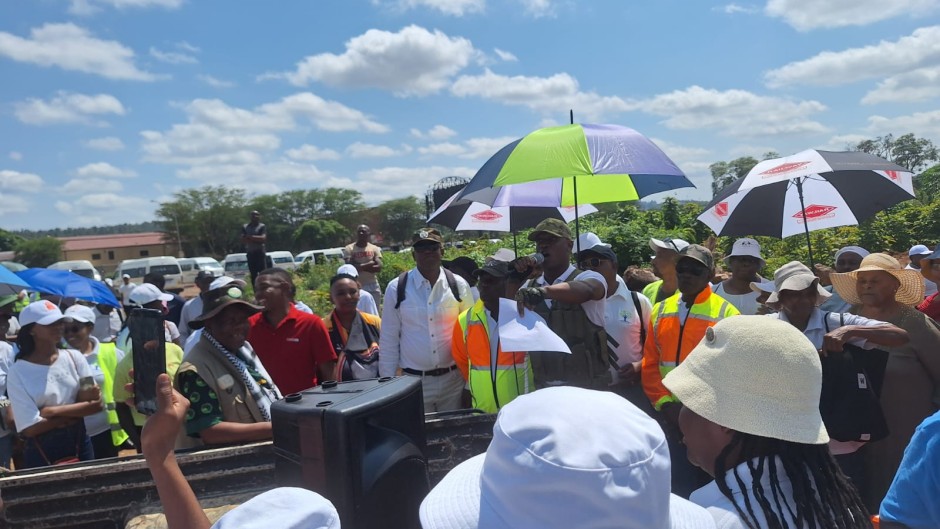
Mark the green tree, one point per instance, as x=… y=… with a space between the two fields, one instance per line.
x=8 y=241
x=38 y=253
x=284 y=213
x=400 y=218
x=670 y=213
x=320 y=233
x=907 y=151
x=723 y=173
x=208 y=219
x=927 y=185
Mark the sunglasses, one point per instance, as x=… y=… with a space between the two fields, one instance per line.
x=691 y=269
x=592 y=262
x=426 y=248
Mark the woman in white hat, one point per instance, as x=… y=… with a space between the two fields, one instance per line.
x=797 y=294
x=745 y=264
x=882 y=290
x=49 y=401
x=750 y=392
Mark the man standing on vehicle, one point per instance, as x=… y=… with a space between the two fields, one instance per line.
x=254 y=236
x=367 y=258
x=125 y=290
x=418 y=316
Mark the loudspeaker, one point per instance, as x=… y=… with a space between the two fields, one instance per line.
x=361 y=444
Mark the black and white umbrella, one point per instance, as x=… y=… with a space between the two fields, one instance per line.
x=807 y=191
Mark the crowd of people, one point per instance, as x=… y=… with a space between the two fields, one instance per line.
x=690 y=399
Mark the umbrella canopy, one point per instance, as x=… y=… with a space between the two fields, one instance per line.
x=462 y=215
x=11 y=283
x=69 y=285
x=783 y=197
x=12 y=266
x=628 y=165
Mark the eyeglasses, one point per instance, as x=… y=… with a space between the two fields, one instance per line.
x=593 y=262
x=426 y=248
x=692 y=269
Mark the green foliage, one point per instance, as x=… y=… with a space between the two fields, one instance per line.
x=400 y=218
x=907 y=150
x=723 y=173
x=285 y=213
x=319 y=234
x=208 y=219
x=927 y=185
x=8 y=240
x=38 y=253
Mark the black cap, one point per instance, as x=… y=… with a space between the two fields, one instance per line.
x=463 y=262
x=494 y=268
x=205 y=274
x=601 y=249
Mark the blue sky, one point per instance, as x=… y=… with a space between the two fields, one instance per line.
x=108 y=106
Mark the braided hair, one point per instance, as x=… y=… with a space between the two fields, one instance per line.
x=822 y=497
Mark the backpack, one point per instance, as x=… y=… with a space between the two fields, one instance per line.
x=639 y=313
x=403 y=282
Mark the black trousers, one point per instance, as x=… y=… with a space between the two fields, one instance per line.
x=256 y=263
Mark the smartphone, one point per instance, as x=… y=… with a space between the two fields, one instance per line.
x=148 y=344
x=86 y=383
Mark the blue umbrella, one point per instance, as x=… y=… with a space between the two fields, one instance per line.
x=10 y=283
x=69 y=285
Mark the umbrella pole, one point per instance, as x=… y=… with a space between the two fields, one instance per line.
x=577 y=223
x=809 y=245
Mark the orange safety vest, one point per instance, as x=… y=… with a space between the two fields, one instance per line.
x=670 y=340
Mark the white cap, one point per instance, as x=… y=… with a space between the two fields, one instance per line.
x=675 y=245
x=126 y=276
x=81 y=313
x=348 y=269
x=745 y=247
x=147 y=293
x=503 y=254
x=587 y=241
x=42 y=312
x=918 y=249
x=107 y=281
x=220 y=282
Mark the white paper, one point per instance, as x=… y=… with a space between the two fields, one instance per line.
x=525 y=333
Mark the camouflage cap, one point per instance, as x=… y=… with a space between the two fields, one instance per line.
x=427 y=234
x=556 y=227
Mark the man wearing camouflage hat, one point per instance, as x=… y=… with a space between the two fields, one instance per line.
x=418 y=316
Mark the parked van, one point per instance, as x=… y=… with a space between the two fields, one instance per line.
x=236 y=265
x=82 y=268
x=191 y=266
x=319 y=256
x=282 y=259
x=167 y=266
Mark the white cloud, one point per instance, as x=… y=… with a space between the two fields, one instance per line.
x=77 y=186
x=733 y=9
x=457 y=8
x=413 y=61
x=829 y=68
x=264 y=177
x=734 y=112
x=442 y=149
x=843 y=142
x=387 y=183
x=67 y=107
x=15 y=156
x=437 y=132
x=103 y=170
x=201 y=144
x=185 y=46
x=109 y=143
x=921 y=124
x=88 y=7
x=472 y=149
x=172 y=57
x=542 y=94
x=368 y=150
x=312 y=153
x=17 y=181
x=104 y=208
x=74 y=48
x=215 y=82
x=918 y=85
x=505 y=55
x=538 y=8
x=805 y=15
x=13 y=205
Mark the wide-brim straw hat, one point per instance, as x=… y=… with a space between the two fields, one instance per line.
x=794 y=276
x=755 y=375
x=910 y=291
x=219 y=299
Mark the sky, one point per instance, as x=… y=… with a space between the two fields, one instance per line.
x=108 y=107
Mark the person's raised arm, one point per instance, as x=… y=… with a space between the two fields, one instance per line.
x=224 y=433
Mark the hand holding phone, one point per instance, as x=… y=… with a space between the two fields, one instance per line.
x=148 y=342
x=88 y=390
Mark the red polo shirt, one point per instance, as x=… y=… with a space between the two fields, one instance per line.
x=931 y=307
x=292 y=351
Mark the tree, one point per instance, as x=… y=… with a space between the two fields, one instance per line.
x=208 y=219
x=8 y=241
x=670 y=213
x=400 y=218
x=39 y=253
x=284 y=213
x=927 y=184
x=320 y=233
x=723 y=173
x=907 y=151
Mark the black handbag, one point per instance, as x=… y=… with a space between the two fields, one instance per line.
x=851 y=387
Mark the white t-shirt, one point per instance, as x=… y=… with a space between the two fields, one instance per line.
x=367 y=303
x=125 y=291
x=32 y=387
x=746 y=304
x=98 y=423
x=6 y=360
x=191 y=309
x=623 y=325
x=595 y=309
x=123 y=339
x=14 y=327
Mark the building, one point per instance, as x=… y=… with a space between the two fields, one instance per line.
x=106 y=252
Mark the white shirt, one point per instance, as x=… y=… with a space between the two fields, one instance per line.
x=14 y=327
x=125 y=291
x=595 y=309
x=191 y=309
x=6 y=360
x=98 y=423
x=34 y=386
x=623 y=324
x=367 y=303
x=745 y=303
x=417 y=335
x=723 y=510
x=103 y=326
x=476 y=293
x=123 y=339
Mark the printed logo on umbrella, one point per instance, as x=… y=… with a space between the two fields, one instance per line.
x=815 y=212
x=783 y=168
x=487 y=216
x=721 y=210
x=893 y=175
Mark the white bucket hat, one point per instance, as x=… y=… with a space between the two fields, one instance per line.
x=284 y=508
x=755 y=375
x=594 y=460
x=911 y=291
x=147 y=293
x=42 y=312
x=792 y=276
x=745 y=247
x=81 y=314
x=675 y=245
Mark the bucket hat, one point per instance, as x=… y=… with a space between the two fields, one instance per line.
x=218 y=299
x=42 y=312
x=284 y=508
x=792 y=276
x=595 y=461
x=755 y=375
x=911 y=291
x=745 y=247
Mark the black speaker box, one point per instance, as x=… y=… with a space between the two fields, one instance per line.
x=361 y=444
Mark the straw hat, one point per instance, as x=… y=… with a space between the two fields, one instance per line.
x=911 y=291
x=755 y=375
x=792 y=276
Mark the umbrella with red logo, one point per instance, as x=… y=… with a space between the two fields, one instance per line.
x=807 y=191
